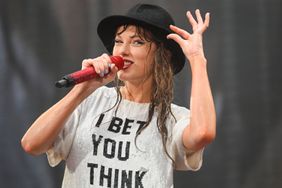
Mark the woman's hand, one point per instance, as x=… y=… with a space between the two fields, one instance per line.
x=202 y=128
x=103 y=67
x=191 y=44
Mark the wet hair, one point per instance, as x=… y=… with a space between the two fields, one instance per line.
x=162 y=85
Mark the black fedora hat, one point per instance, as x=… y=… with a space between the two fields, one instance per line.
x=152 y=17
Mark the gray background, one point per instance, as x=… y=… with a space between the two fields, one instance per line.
x=42 y=40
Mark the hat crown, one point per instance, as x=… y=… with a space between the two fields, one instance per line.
x=152 y=14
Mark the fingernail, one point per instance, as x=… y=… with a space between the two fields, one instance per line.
x=102 y=74
x=106 y=71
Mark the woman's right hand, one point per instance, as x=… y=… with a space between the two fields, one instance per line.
x=103 y=67
x=42 y=134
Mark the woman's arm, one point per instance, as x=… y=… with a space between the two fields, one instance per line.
x=202 y=128
x=43 y=132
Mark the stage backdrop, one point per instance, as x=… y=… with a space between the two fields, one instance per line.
x=42 y=40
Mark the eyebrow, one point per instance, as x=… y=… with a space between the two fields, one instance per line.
x=133 y=36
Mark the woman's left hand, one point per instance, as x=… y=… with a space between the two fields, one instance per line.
x=202 y=127
x=191 y=44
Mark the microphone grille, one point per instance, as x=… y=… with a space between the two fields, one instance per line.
x=118 y=61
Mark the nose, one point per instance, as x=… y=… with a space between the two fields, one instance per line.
x=123 y=50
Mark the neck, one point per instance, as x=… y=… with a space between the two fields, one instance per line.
x=137 y=92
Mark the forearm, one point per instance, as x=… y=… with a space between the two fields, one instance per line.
x=43 y=132
x=202 y=128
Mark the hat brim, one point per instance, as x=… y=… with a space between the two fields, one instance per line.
x=107 y=30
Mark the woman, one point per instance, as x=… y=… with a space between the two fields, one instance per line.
x=134 y=136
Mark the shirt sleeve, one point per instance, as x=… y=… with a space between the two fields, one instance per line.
x=63 y=142
x=184 y=160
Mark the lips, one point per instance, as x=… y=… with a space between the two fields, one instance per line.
x=127 y=63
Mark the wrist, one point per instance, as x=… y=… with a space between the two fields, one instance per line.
x=197 y=61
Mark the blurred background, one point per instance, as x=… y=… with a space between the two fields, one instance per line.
x=42 y=40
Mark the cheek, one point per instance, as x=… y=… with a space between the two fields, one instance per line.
x=150 y=67
x=148 y=62
x=145 y=56
x=147 y=67
x=114 y=51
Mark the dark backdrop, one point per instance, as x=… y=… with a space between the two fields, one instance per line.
x=42 y=40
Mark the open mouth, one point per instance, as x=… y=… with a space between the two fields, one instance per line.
x=127 y=64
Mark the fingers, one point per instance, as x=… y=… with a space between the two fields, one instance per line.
x=207 y=19
x=199 y=24
x=199 y=16
x=184 y=34
x=176 y=38
x=102 y=64
x=192 y=20
x=114 y=69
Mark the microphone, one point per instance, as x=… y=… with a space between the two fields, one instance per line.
x=86 y=74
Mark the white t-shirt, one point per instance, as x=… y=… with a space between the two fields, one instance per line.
x=100 y=150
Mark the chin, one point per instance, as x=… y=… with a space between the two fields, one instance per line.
x=122 y=75
x=126 y=76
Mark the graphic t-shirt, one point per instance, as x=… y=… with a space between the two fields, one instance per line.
x=100 y=147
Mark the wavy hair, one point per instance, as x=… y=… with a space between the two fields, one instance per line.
x=162 y=86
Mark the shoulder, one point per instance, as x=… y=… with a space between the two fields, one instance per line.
x=180 y=112
x=100 y=96
x=103 y=92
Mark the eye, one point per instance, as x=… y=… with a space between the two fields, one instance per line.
x=118 y=41
x=138 y=42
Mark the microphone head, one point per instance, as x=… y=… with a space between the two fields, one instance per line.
x=118 y=61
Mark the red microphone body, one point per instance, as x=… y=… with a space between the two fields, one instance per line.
x=86 y=74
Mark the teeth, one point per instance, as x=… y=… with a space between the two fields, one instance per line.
x=127 y=64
